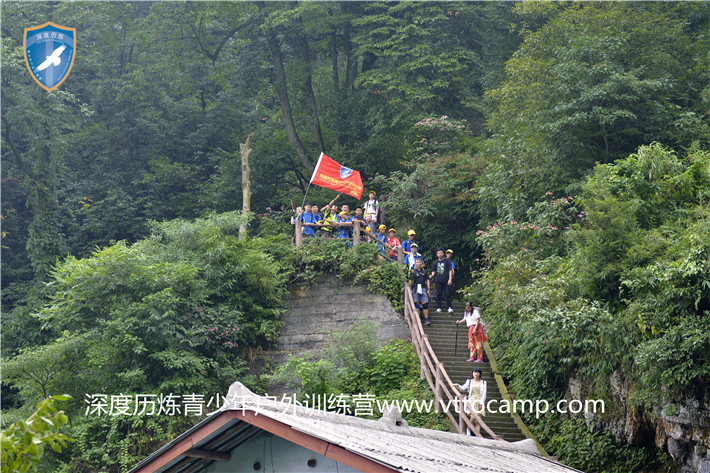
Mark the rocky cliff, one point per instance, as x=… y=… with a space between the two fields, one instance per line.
x=327 y=305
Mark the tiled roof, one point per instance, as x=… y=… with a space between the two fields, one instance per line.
x=389 y=442
x=401 y=447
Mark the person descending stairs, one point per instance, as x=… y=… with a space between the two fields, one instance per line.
x=442 y=335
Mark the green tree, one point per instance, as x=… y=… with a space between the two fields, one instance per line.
x=23 y=442
x=591 y=85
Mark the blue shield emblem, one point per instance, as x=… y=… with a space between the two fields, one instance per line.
x=49 y=53
x=345 y=172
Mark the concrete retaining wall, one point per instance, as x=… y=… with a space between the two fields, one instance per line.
x=328 y=305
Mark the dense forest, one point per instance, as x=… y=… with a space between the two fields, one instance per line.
x=562 y=149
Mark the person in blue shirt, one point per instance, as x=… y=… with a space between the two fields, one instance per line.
x=320 y=217
x=308 y=217
x=381 y=237
x=413 y=257
x=449 y=256
x=407 y=248
x=344 y=217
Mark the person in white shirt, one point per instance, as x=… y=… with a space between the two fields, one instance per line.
x=372 y=207
x=476 y=335
x=411 y=258
x=476 y=388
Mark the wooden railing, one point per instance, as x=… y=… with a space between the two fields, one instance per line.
x=445 y=394
x=358 y=236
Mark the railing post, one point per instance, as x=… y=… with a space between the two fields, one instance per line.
x=400 y=254
x=299 y=232
x=462 y=426
x=422 y=371
x=437 y=387
x=356 y=232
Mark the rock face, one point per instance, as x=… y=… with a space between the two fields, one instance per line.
x=684 y=431
x=328 y=305
x=682 y=428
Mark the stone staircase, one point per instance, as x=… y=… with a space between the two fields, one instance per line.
x=442 y=334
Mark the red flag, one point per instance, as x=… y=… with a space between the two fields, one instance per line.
x=332 y=175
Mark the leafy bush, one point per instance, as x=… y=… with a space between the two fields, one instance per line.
x=622 y=288
x=23 y=442
x=392 y=363
x=355 y=363
x=361 y=264
x=174 y=313
x=599 y=452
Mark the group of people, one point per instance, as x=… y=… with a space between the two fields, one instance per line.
x=476 y=386
x=339 y=224
x=442 y=274
x=332 y=220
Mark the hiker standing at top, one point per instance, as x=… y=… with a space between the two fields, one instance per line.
x=330 y=215
x=307 y=217
x=368 y=226
x=407 y=248
x=318 y=216
x=372 y=207
x=443 y=277
x=344 y=218
x=476 y=335
x=296 y=215
x=326 y=218
x=420 y=287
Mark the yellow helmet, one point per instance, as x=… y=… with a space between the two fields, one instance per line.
x=411 y=232
x=450 y=251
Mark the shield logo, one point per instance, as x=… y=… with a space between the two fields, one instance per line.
x=345 y=172
x=49 y=53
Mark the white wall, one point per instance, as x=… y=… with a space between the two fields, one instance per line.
x=275 y=455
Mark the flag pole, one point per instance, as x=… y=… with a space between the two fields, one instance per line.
x=312 y=177
x=304 y=196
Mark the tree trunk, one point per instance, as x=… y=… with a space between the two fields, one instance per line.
x=287 y=116
x=606 y=145
x=334 y=53
x=307 y=88
x=350 y=61
x=245 y=150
